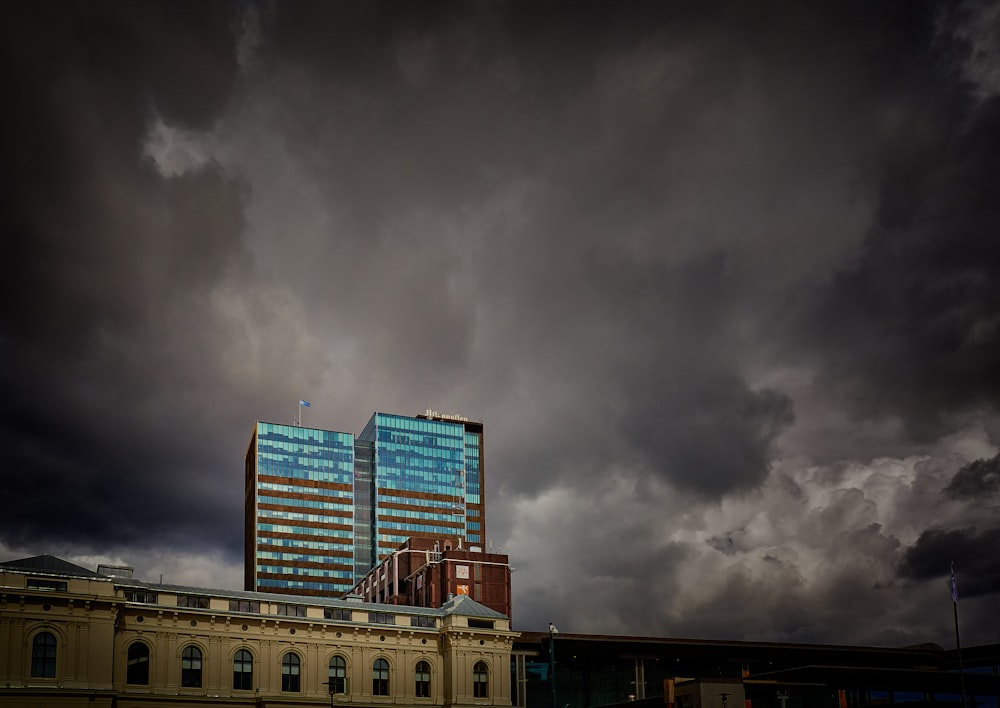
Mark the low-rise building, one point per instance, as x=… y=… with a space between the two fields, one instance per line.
x=428 y=571
x=73 y=637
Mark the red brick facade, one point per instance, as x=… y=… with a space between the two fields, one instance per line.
x=427 y=571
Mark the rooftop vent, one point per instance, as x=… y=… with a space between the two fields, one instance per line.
x=115 y=571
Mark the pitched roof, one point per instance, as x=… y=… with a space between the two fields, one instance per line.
x=467 y=607
x=49 y=564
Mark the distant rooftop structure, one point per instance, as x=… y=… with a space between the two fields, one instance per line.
x=115 y=571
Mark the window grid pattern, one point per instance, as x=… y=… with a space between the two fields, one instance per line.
x=141 y=596
x=243 y=670
x=416 y=456
x=290 y=673
x=290 y=610
x=43 y=655
x=137 y=664
x=364 y=494
x=289 y=459
x=196 y=601
x=480 y=680
x=337 y=676
x=300 y=584
x=422 y=674
x=191 y=667
x=380 y=678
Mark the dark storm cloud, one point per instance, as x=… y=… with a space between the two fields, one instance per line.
x=106 y=271
x=976 y=481
x=973 y=552
x=436 y=114
x=913 y=330
x=585 y=224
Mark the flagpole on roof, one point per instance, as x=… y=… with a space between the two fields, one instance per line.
x=958 y=642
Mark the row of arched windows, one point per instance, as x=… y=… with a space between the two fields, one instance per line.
x=137 y=671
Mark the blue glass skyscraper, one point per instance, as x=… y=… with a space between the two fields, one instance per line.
x=299 y=510
x=323 y=507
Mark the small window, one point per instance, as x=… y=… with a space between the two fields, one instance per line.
x=380 y=678
x=422 y=689
x=137 y=664
x=197 y=601
x=422 y=622
x=290 y=665
x=244 y=606
x=481 y=624
x=44 y=584
x=243 y=670
x=191 y=667
x=290 y=610
x=480 y=680
x=143 y=596
x=381 y=618
x=337 y=682
x=337 y=613
x=43 y=655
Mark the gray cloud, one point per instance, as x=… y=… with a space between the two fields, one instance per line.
x=719 y=281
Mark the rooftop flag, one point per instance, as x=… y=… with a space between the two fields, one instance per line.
x=307 y=404
x=954 y=587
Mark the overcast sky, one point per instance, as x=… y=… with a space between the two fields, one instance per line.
x=721 y=279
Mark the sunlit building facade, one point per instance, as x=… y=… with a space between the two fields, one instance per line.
x=322 y=507
x=70 y=637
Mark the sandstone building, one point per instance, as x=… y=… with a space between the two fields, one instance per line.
x=72 y=637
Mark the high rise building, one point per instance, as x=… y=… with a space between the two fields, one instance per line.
x=323 y=507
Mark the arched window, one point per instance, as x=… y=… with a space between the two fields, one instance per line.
x=480 y=680
x=380 y=678
x=243 y=670
x=422 y=675
x=191 y=667
x=290 y=673
x=43 y=655
x=337 y=682
x=137 y=664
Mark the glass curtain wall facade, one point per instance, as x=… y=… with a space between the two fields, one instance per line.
x=364 y=505
x=323 y=507
x=475 y=509
x=419 y=479
x=300 y=510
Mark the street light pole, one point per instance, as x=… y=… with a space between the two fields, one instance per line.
x=552 y=659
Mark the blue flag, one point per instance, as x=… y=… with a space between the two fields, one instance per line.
x=954 y=587
x=307 y=404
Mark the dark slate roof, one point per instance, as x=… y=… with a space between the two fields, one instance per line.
x=278 y=597
x=49 y=564
x=467 y=607
x=459 y=605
